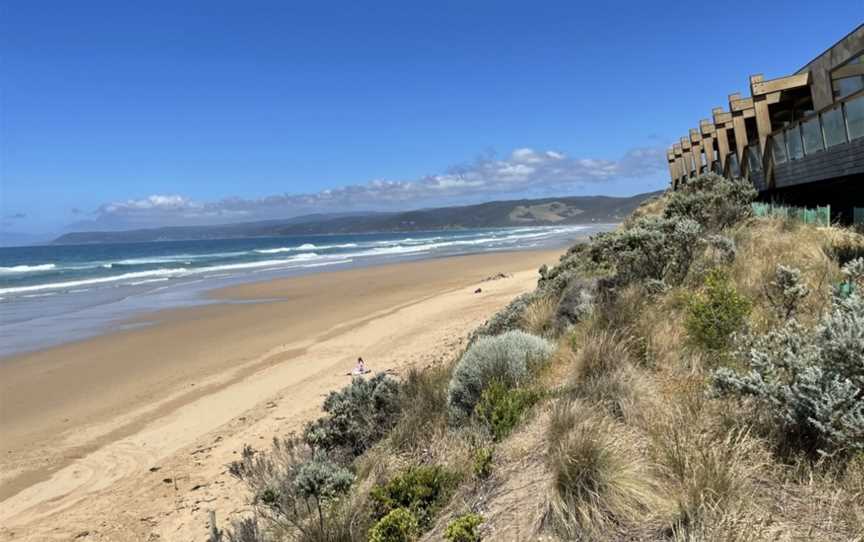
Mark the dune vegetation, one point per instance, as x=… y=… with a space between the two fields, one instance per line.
x=695 y=375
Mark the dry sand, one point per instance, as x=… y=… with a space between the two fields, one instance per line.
x=126 y=436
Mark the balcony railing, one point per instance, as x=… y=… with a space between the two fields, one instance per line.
x=838 y=124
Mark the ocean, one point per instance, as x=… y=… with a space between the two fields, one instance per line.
x=54 y=294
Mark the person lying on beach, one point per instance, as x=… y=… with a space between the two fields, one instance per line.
x=361 y=368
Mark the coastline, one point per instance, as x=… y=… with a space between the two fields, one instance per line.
x=79 y=425
x=51 y=298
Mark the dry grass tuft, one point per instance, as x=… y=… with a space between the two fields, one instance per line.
x=423 y=396
x=763 y=244
x=539 y=316
x=843 y=244
x=650 y=207
x=601 y=353
x=711 y=471
x=600 y=483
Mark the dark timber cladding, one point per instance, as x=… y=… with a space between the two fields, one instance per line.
x=794 y=134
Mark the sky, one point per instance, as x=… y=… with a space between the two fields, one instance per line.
x=118 y=115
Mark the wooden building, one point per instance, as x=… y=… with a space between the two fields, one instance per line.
x=803 y=130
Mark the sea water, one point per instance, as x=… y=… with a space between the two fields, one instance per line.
x=57 y=293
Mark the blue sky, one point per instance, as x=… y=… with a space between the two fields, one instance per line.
x=130 y=114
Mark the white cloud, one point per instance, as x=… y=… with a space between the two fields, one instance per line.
x=524 y=171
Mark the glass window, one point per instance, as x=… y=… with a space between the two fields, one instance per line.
x=812 y=136
x=834 y=127
x=734 y=169
x=778 y=148
x=847 y=86
x=855 y=117
x=794 y=143
x=754 y=158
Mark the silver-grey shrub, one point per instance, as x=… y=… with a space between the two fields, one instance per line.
x=713 y=201
x=292 y=489
x=356 y=417
x=652 y=248
x=810 y=383
x=508 y=358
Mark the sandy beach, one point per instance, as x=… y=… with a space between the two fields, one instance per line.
x=126 y=436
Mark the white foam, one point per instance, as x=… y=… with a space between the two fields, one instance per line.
x=86 y=282
x=28 y=268
x=148 y=281
x=305 y=246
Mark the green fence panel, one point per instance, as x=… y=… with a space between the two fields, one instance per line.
x=819 y=216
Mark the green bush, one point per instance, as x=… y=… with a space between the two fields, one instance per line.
x=711 y=200
x=658 y=249
x=464 y=529
x=420 y=490
x=358 y=415
x=501 y=408
x=399 y=525
x=482 y=465
x=507 y=359
x=716 y=313
x=809 y=384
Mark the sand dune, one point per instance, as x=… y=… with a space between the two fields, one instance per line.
x=126 y=437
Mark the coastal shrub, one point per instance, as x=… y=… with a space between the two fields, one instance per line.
x=716 y=313
x=598 y=479
x=506 y=359
x=576 y=303
x=786 y=291
x=809 y=384
x=421 y=490
x=713 y=201
x=661 y=249
x=507 y=319
x=482 y=463
x=356 y=417
x=292 y=486
x=501 y=408
x=722 y=248
x=399 y=525
x=464 y=529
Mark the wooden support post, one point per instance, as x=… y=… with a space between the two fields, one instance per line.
x=741 y=109
x=670 y=159
x=706 y=128
x=722 y=122
x=687 y=156
x=763 y=116
x=679 y=161
x=696 y=149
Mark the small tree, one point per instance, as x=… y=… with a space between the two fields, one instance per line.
x=716 y=313
x=786 y=291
